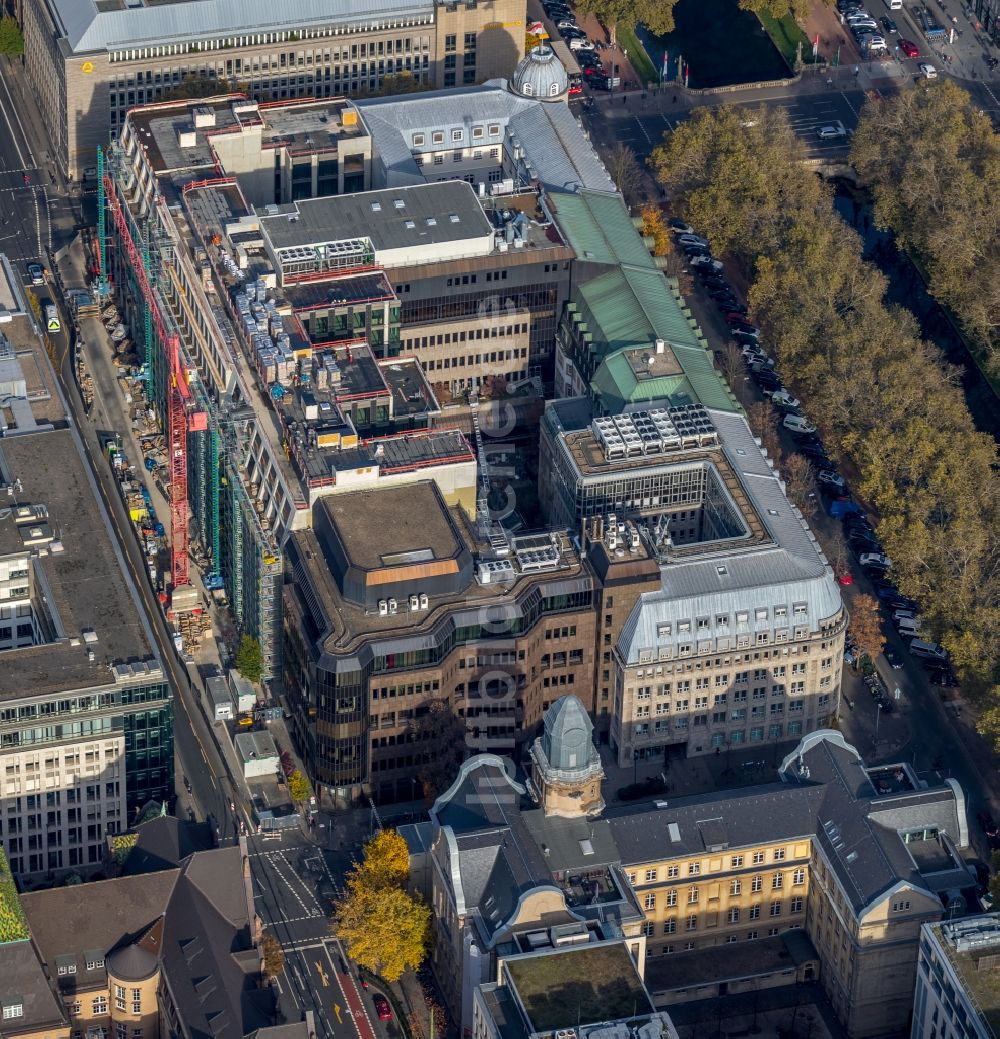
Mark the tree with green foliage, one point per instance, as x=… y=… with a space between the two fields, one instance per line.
x=249 y=659
x=885 y=399
x=931 y=159
x=385 y=928
x=299 y=787
x=11 y=37
x=656 y=15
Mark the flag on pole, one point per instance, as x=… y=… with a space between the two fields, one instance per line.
x=665 y=72
x=816 y=46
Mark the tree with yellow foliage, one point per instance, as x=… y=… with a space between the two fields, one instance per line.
x=655 y=227
x=384 y=928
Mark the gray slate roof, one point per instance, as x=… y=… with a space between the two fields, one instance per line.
x=88 y=29
x=23 y=982
x=550 y=135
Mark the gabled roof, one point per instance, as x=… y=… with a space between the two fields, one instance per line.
x=598 y=227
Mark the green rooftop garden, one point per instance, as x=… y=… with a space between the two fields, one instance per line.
x=13 y=926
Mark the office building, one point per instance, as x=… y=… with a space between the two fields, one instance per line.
x=734 y=633
x=86 y=722
x=957 y=991
x=89 y=61
x=825 y=873
x=396 y=601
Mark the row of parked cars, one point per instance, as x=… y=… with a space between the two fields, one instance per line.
x=584 y=49
x=901 y=611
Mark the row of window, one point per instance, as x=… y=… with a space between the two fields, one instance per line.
x=733 y=916
x=735 y=888
x=466 y=335
x=735 y=862
x=731 y=939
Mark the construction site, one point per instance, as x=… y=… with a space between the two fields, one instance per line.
x=243 y=417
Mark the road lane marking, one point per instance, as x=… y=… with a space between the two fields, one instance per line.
x=336 y=1010
x=644 y=133
x=13 y=137
x=322 y=974
x=849 y=105
x=13 y=108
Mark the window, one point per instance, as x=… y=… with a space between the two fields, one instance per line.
x=650 y=901
x=99 y=1005
x=671 y=898
x=797 y=904
x=799 y=876
x=736 y=861
x=692 y=922
x=119 y=997
x=12 y=1010
x=779 y=854
x=777 y=881
x=758 y=858
x=694 y=868
x=751 y=936
x=692 y=895
x=900 y=907
x=734 y=915
x=757 y=883
x=669 y=926
x=735 y=887
x=755 y=912
x=647 y=929
x=673 y=871
x=650 y=875
x=775 y=909
x=67 y=968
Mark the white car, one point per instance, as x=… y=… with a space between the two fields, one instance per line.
x=927 y=71
x=797 y=424
x=581 y=45
x=875 y=559
x=706 y=262
x=784 y=399
x=828 y=478
x=829 y=133
x=858 y=16
x=692 y=239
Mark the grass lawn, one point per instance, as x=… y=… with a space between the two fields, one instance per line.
x=786 y=35
x=644 y=68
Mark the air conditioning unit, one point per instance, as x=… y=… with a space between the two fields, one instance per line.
x=393 y=606
x=414 y=602
x=424 y=601
x=383 y=607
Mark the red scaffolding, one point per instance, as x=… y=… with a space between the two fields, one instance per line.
x=179 y=399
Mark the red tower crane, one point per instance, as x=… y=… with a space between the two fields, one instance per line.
x=180 y=416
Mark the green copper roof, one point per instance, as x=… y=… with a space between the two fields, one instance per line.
x=616 y=384
x=599 y=229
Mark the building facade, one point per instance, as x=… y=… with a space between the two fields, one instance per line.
x=830 y=872
x=89 y=63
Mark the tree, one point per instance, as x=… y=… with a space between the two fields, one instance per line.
x=658 y=17
x=274 y=956
x=800 y=483
x=625 y=172
x=385 y=929
x=655 y=227
x=11 y=37
x=777 y=9
x=441 y=738
x=386 y=861
x=763 y=420
x=249 y=659
x=299 y=787
x=866 y=625
x=995 y=878
x=730 y=362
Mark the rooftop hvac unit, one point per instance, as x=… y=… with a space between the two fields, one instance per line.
x=383 y=607
x=414 y=602
x=393 y=606
x=424 y=601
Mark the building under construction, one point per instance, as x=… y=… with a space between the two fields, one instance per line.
x=262 y=409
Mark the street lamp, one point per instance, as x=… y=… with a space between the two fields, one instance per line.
x=878 y=715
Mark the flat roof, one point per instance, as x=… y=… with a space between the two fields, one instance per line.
x=83 y=582
x=370 y=287
x=560 y=988
x=393 y=527
x=983 y=985
x=393 y=218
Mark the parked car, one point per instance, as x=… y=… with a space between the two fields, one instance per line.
x=735 y=308
x=831 y=482
x=581 y=45
x=946 y=678
x=830 y=133
x=889 y=25
x=782 y=398
x=877 y=559
x=766 y=379
x=382 y=1007
x=690 y=249
x=927 y=70
x=36 y=274
x=706 y=263
x=797 y=424
x=987 y=824
x=689 y=238
x=679 y=226
x=909 y=48
x=744 y=337
x=893 y=659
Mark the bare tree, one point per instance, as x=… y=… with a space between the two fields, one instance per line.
x=763 y=421
x=625 y=172
x=730 y=362
x=800 y=483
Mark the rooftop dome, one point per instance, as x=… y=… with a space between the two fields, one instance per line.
x=540 y=75
x=131 y=963
x=567 y=738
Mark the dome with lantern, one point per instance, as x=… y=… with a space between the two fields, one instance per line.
x=540 y=75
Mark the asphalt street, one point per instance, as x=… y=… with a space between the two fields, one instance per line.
x=641 y=124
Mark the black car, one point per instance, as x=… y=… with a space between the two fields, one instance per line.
x=599 y=82
x=697 y=250
x=714 y=280
x=744 y=338
x=766 y=379
x=732 y=305
x=587 y=60
x=569 y=33
x=888 y=24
